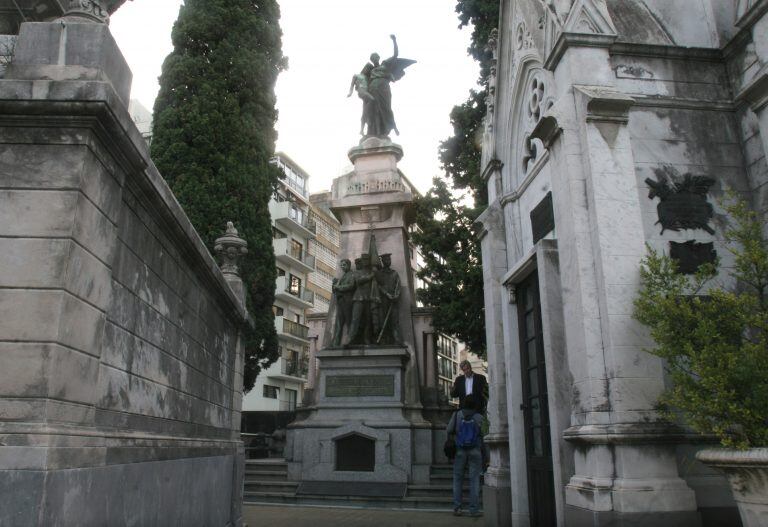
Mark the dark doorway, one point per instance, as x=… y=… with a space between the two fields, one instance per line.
x=538 y=445
x=355 y=452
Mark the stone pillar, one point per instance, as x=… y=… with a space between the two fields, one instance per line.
x=375 y=199
x=625 y=464
x=497 y=505
x=230 y=248
x=59 y=208
x=70 y=50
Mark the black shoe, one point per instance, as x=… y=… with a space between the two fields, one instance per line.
x=457 y=511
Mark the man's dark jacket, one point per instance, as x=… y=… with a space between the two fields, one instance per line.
x=479 y=390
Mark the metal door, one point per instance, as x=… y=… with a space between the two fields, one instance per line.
x=538 y=446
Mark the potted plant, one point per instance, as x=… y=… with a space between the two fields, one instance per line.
x=714 y=339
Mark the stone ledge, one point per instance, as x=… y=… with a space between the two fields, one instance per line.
x=95 y=106
x=632 y=433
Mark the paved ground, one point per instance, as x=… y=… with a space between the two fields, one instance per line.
x=268 y=516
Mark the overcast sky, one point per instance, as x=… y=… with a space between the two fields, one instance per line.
x=326 y=42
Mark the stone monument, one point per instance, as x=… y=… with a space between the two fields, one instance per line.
x=364 y=431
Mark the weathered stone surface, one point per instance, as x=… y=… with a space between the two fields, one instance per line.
x=71 y=51
x=114 y=318
x=590 y=101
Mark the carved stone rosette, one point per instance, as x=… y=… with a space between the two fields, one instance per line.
x=229 y=249
x=87 y=11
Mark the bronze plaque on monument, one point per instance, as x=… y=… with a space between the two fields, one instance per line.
x=359 y=385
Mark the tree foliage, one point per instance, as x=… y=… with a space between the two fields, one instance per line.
x=447 y=240
x=452 y=261
x=214 y=135
x=714 y=340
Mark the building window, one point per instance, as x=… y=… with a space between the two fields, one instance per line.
x=297 y=250
x=278 y=311
x=291 y=399
x=277 y=234
x=294 y=287
x=270 y=392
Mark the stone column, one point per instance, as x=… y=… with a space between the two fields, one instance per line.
x=625 y=464
x=497 y=505
x=230 y=248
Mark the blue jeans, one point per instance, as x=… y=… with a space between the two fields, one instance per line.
x=474 y=458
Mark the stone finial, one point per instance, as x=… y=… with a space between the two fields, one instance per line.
x=230 y=248
x=87 y=11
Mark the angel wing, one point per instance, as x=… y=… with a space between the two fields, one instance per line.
x=396 y=66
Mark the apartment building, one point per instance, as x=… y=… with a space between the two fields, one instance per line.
x=325 y=248
x=280 y=387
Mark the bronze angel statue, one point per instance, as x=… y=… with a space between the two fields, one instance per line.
x=372 y=85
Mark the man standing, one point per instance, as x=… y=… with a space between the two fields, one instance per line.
x=464 y=428
x=470 y=384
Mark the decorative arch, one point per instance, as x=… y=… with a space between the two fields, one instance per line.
x=532 y=95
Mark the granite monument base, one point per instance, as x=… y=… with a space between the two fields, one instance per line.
x=357 y=430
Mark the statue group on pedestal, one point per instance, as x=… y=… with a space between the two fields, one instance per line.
x=372 y=85
x=367 y=302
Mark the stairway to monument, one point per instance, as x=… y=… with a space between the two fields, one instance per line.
x=266 y=482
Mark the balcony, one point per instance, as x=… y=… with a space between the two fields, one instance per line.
x=290 y=370
x=286 y=215
x=288 y=255
x=298 y=296
x=291 y=330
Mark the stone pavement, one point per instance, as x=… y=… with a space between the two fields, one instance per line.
x=269 y=516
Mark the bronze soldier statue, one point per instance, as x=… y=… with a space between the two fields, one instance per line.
x=343 y=288
x=389 y=288
x=360 y=328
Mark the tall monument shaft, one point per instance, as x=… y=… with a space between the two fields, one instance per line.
x=365 y=423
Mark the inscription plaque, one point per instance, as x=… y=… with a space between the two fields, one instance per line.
x=691 y=255
x=359 y=385
x=542 y=218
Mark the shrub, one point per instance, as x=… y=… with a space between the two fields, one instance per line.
x=714 y=339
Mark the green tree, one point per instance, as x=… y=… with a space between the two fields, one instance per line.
x=714 y=339
x=214 y=135
x=447 y=239
x=451 y=266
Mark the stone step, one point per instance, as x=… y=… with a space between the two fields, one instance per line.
x=266 y=475
x=407 y=503
x=270 y=486
x=269 y=465
x=434 y=490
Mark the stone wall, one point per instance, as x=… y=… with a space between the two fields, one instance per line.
x=121 y=364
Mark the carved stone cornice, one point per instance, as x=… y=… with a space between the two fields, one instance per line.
x=87 y=11
x=756 y=92
x=752 y=11
x=633 y=433
x=606 y=104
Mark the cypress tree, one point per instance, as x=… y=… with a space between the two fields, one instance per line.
x=214 y=135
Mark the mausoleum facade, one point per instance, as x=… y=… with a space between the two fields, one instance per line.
x=612 y=125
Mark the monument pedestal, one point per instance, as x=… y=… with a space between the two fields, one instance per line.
x=365 y=423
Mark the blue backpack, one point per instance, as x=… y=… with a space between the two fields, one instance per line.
x=468 y=435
